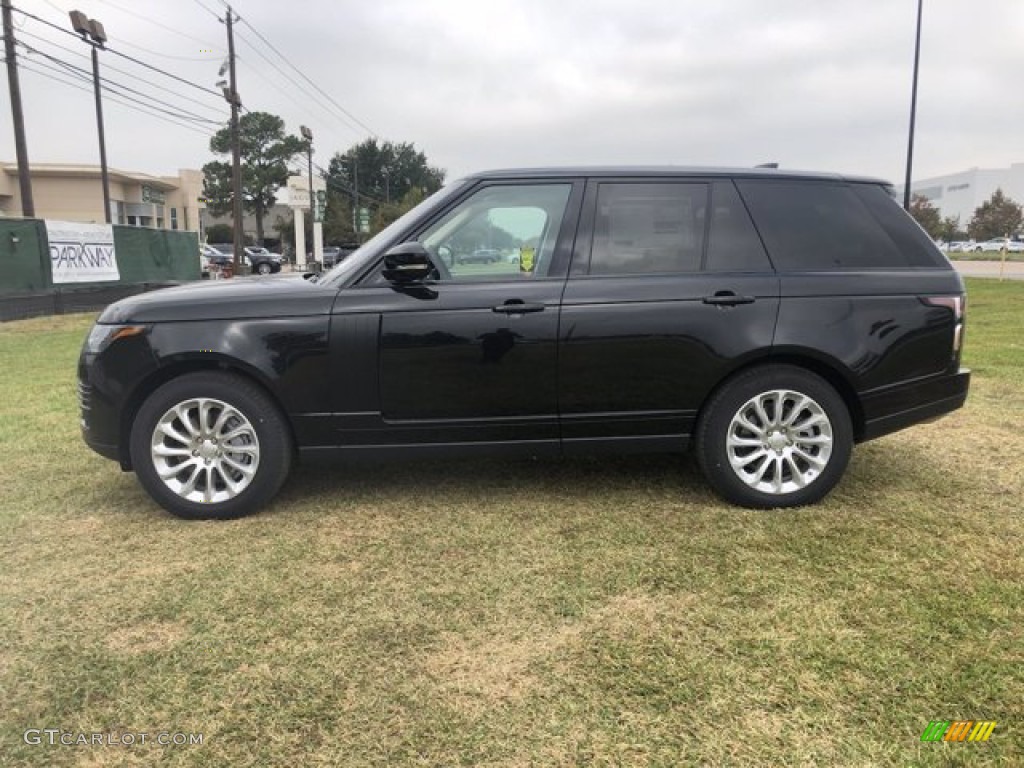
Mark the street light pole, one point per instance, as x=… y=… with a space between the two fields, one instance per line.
x=93 y=33
x=99 y=128
x=913 y=109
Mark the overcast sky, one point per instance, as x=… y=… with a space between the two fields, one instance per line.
x=811 y=84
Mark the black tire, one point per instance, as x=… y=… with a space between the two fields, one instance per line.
x=264 y=268
x=265 y=432
x=789 y=467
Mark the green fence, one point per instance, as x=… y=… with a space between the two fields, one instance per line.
x=146 y=259
x=24 y=260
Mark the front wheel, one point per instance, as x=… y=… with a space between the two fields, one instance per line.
x=777 y=436
x=210 y=445
x=264 y=268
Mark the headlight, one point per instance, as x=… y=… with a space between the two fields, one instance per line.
x=102 y=336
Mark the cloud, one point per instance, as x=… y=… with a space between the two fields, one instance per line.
x=821 y=84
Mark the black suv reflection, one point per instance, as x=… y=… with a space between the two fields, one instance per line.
x=768 y=320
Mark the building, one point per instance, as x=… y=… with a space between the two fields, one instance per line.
x=960 y=194
x=75 y=193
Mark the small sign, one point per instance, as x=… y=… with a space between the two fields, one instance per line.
x=298 y=191
x=81 y=253
x=364 y=221
x=320 y=205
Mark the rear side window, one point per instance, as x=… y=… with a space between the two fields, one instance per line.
x=814 y=225
x=913 y=242
x=733 y=245
x=648 y=228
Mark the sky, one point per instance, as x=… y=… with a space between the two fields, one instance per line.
x=819 y=85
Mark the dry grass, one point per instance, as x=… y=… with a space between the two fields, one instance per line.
x=587 y=612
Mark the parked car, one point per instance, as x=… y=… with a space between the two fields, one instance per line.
x=998 y=243
x=961 y=246
x=481 y=256
x=212 y=257
x=766 y=320
x=260 y=260
x=263 y=261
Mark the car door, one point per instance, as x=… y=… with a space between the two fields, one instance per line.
x=469 y=357
x=662 y=302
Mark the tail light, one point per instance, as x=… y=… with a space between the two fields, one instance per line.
x=958 y=306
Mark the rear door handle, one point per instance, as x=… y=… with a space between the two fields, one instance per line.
x=727 y=299
x=517 y=307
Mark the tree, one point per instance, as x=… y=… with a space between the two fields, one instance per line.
x=951 y=229
x=386 y=172
x=996 y=217
x=927 y=215
x=389 y=212
x=265 y=151
x=219 y=233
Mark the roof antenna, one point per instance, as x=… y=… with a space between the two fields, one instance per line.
x=767 y=165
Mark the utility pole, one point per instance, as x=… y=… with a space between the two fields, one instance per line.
x=28 y=209
x=236 y=157
x=355 y=199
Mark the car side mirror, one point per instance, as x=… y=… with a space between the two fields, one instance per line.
x=407 y=263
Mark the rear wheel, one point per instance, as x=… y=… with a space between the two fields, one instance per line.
x=210 y=445
x=777 y=436
x=264 y=268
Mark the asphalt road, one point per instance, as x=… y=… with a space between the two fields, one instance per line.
x=1012 y=270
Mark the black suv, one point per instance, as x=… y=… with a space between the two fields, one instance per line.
x=770 y=320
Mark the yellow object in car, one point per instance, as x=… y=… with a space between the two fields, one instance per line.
x=526 y=259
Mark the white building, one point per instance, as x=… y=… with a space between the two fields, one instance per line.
x=960 y=194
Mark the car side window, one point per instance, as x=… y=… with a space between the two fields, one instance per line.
x=733 y=245
x=647 y=228
x=500 y=232
x=817 y=226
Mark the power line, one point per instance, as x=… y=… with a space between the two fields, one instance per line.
x=136 y=107
x=207 y=9
x=294 y=82
x=116 y=95
x=342 y=187
x=316 y=87
x=85 y=74
x=156 y=23
x=50 y=24
x=167 y=55
x=113 y=68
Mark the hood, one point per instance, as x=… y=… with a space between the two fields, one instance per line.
x=234 y=299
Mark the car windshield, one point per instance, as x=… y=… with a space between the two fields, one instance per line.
x=371 y=249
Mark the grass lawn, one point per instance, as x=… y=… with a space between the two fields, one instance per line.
x=587 y=612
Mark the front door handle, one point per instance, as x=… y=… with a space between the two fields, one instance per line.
x=727 y=299
x=517 y=307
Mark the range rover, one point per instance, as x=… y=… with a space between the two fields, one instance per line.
x=766 y=320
